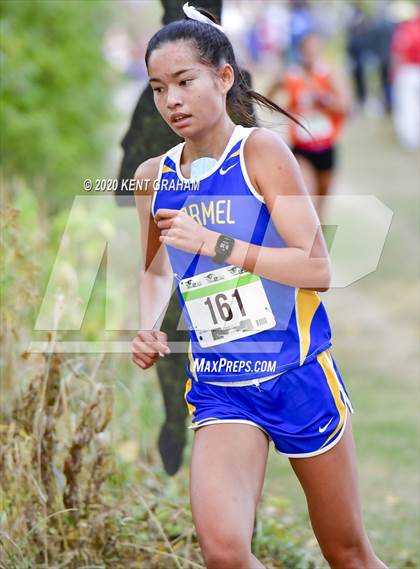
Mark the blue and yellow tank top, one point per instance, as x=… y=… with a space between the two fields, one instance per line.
x=242 y=326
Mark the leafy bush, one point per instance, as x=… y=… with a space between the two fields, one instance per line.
x=55 y=94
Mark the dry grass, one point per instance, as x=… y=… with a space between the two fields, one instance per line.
x=66 y=499
x=55 y=460
x=63 y=501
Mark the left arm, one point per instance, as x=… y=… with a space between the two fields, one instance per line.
x=274 y=172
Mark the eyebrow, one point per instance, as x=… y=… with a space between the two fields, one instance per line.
x=175 y=74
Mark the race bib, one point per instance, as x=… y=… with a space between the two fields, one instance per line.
x=319 y=125
x=226 y=304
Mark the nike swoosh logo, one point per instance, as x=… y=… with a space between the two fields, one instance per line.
x=223 y=172
x=322 y=429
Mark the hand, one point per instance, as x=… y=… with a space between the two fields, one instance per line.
x=322 y=99
x=179 y=230
x=147 y=346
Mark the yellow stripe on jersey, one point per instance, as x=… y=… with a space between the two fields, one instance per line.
x=167 y=169
x=325 y=361
x=307 y=302
x=233 y=155
x=191 y=362
x=191 y=408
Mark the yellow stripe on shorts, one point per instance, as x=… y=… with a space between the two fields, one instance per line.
x=191 y=408
x=325 y=361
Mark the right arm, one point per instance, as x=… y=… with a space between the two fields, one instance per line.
x=275 y=88
x=156 y=278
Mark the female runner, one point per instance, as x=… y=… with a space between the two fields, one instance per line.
x=318 y=97
x=242 y=240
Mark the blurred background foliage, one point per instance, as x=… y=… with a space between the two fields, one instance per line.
x=56 y=95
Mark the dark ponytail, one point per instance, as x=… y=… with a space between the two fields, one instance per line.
x=214 y=48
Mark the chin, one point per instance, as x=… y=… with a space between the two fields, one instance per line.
x=188 y=131
x=199 y=128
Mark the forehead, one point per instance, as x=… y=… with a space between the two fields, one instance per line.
x=171 y=56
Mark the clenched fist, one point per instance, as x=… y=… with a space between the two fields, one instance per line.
x=147 y=346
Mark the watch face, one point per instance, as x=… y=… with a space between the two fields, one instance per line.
x=224 y=245
x=223 y=248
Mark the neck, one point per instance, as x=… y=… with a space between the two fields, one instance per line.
x=210 y=142
x=308 y=67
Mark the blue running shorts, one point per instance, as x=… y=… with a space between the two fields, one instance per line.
x=303 y=410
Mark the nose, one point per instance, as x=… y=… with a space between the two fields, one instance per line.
x=173 y=98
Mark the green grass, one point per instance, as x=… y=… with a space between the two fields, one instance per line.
x=385 y=431
x=375 y=338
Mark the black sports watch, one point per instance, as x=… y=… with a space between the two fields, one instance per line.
x=223 y=249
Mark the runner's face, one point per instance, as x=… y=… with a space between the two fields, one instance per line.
x=310 y=50
x=189 y=95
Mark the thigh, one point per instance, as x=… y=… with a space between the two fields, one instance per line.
x=228 y=464
x=330 y=484
x=325 y=180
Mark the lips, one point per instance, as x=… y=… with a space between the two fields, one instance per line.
x=179 y=118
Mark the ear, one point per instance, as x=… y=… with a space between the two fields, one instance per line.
x=227 y=76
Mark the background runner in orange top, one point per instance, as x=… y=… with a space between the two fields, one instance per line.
x=320 y=101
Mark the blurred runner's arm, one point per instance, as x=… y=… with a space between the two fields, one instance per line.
x=156 y=277
x=338 y=100
x=275 y=89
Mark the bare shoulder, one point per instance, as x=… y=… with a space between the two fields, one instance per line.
x=149 y=167
x=263 y=139
x=147 y=172
x=266 y=153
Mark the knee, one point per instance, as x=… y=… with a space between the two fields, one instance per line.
x=226 y=553
x=356 y=554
